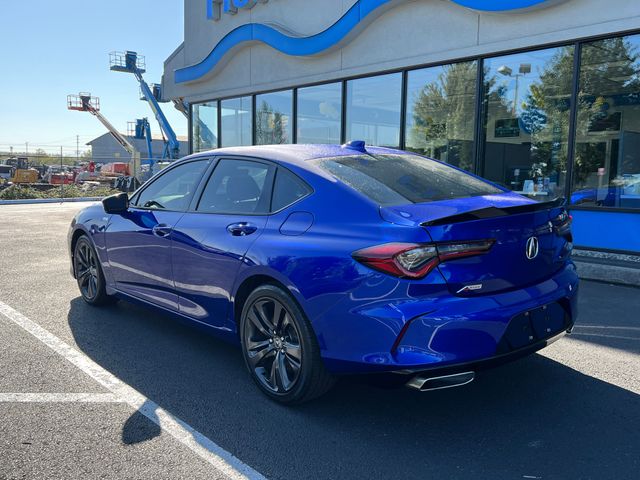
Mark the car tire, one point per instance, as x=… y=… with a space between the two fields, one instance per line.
x=89 y=274
x=280 y=348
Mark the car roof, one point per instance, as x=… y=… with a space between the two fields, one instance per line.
x=296 y=154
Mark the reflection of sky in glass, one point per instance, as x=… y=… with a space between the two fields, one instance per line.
x=205 y=117
x=319 y=113
x=537 y=60
x=373 y=109
x=236 y=122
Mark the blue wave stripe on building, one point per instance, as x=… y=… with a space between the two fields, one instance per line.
x=315 y=44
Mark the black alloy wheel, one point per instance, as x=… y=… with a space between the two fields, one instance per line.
x=89 y=273
x=280 y=347
x=273 y=345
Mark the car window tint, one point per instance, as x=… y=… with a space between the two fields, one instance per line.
x=402 y=179
x=288 y=189
x=174 y=189
x=237 y=186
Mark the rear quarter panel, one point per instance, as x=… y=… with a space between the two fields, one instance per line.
x=317 y=268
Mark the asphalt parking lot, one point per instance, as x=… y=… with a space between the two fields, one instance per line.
x=95 y=393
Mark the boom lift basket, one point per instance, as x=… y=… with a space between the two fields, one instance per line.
x=83 y=102
x=129 y=62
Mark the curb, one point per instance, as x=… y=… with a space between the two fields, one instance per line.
x=49 y=200
x=613 y=268
x=613 y=274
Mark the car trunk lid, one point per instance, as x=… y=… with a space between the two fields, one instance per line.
x=531 y=241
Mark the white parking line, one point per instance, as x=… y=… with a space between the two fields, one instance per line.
x=59 y=398
x=224 y=462
x=606 y=327
x=618 y=337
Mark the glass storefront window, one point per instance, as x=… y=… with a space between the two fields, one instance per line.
x=205 y=126
x=373 y=109
x=441 y=105
x=607 y=157
x=274 y=118
x=320 y=114
x=527 y=103
x=236 y=120
x=525 y=119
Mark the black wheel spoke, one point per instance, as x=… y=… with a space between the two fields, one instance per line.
x=83 y=276
x=293 y=354
x=258 y=351
x=278 y=313
x=82 y=258
x=254 y=317
x=92 y=286
x=273 y=378
x=282 y=372
x=264 y=316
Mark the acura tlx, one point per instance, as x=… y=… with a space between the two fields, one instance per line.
x=324 y=260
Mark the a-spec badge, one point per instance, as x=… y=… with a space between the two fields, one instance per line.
x=470 y=288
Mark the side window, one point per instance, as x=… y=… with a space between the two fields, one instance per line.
x=238 y=186
x=174 y=189
x=288 y=189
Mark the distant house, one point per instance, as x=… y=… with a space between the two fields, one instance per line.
x=105 y=148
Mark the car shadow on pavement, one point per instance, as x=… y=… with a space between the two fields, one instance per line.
x=535 y=418
x=608 y=316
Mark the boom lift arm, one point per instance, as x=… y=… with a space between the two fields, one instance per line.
x=131 y=62
x=205 y=132
x=141 y=130
x=84 y=102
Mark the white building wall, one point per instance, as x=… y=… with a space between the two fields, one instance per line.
x=106 y=149
x=412 y=32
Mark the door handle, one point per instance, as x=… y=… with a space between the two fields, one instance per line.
x=162 y=230
x=241 y=229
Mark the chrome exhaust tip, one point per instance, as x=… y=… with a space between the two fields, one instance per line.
x=426 y=383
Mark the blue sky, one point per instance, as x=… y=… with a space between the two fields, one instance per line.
x=51 y=48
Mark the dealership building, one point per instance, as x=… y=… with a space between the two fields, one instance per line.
x=541 y=96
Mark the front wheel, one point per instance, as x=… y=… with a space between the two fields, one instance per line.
x=280 y=348
x=89 y=273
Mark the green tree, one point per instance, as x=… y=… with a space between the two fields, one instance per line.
x=609 y=77
x=546 y=114
x=271 y=126
x=443 y=114
x=608 y=67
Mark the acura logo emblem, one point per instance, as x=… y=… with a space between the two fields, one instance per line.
x=532 y=248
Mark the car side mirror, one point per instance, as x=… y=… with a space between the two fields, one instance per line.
x=116 y=204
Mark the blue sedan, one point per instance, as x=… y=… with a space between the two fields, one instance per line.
x=323 y=261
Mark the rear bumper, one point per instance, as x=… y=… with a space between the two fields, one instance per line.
x=485 y=363
x=448 y=333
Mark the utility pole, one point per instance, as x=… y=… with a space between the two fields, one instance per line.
x=64 y=177
x=27 y=145
x=77 y=149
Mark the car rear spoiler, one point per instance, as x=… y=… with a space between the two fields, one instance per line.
x=492 y=212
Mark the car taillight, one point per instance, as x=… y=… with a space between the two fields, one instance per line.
x=414 y=260
x=562 y=225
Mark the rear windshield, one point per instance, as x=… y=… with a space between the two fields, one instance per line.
x=5 y=169
x=401 y=179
